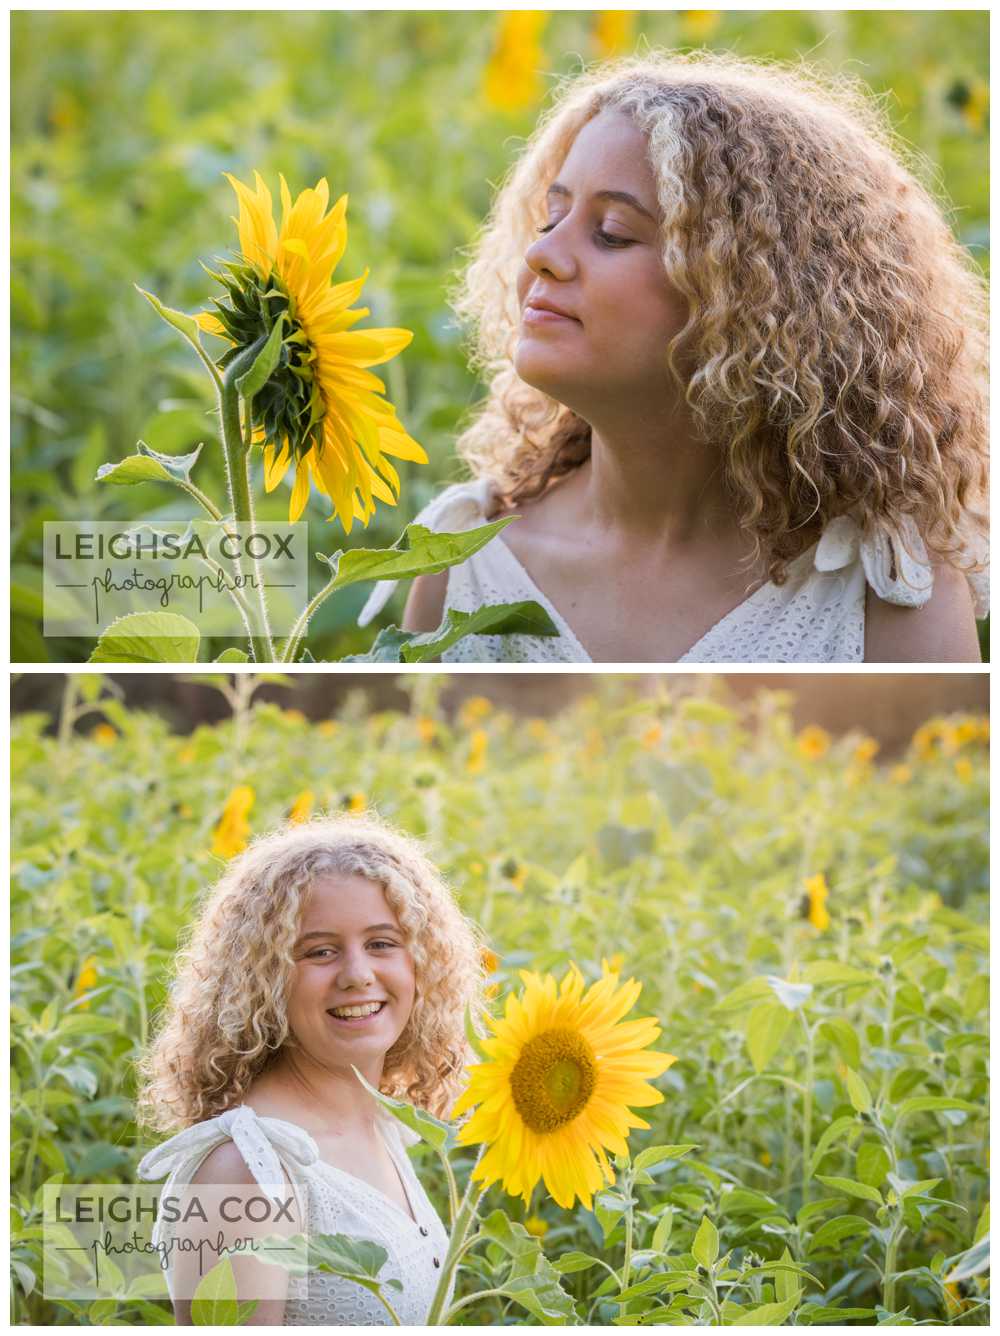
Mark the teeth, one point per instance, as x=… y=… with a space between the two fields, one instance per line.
x=365 y=1009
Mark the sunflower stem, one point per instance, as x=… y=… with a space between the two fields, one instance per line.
x=302 y=625
x=467 y=1213
x=238 y=479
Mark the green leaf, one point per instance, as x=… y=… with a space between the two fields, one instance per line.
x=825 y=972
x=148 y=637
x=571 y=1262
x=852 y=1188
x=767 y=1026
x=769 y=1315
x=844 y=1038
x=532 y=1281
x=872 y=1163
x=751 y=991
x=436 y=1133
x=417 y=551
x=705 y=1248
x=654 y=1155
x=834 y=1231
x=933 y=1104
x=233 y=656
x=185 y=324
x=264 y=363
x=214 y=1303
x=395 y=646
x=857 y=1092
x=983 y=1224
x=969 y=1263
x=357 y=1260
x=664 y=1227
x=790 y=995
x=787 y=1279
x=149 y=466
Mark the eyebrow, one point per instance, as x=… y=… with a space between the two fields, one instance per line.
x=621 y=196
x=326 y=932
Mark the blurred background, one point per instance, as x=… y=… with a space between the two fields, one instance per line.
x=888 y=707
x=123 y=123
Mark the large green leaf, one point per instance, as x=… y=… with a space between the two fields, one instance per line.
x=148 y=637
x=705 y=1248
x=395 y=646
x=436 y=1133
x=215 y=1303
x=148 y=465
x=767 y=1026
x=417 y=551
x=532 y=1280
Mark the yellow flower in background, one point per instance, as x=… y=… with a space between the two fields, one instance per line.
x=232 y=834
x=866 y=750
x=936 y=736
x=86 y=980
x=613 y=966
x=539 y=730
x=765 y=1158
x=512 y=80
x=652 y=737
x=698 y=24
x=426 y=729
x=536 y=1226
x=321 y=410
x=104 y=734
x=963 y=769
x=327 y=728
x=901 y=774
x=186 y=754
x=478 y=745
x=813 y=742
x=613 y=31
x=490 y=961
x=555 y=1094
x=474 y=710
x=295 y=717
x=302 y=807
x=357 y=802
x=818 y=893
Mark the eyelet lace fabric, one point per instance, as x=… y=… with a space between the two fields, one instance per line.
x=816 y=616
x=280 y=1154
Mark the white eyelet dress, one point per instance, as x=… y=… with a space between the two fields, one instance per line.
x=338 y=1203
x=816 y=616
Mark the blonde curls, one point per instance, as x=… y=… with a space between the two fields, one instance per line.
x=835 y=346
x=226 y=1020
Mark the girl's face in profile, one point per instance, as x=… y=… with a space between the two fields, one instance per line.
x=354 y=982
x=598 y=261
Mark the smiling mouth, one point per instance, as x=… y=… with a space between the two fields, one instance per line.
x=357 y=1013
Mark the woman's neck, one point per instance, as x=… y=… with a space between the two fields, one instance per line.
x=321 y=1098
x=655 y=478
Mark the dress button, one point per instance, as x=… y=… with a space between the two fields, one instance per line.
x=437 y=1261
x=424 y=1230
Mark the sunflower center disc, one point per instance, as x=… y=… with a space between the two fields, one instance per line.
x=553 y=1079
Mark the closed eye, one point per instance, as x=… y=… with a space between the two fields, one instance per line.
x=607 y=239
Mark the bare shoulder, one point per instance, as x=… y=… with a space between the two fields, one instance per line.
x=943 y=630
x=224 y=1164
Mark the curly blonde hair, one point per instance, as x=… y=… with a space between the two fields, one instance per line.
x=836 y=335
x=226 y=1018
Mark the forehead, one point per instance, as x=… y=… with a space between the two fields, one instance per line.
x=344 y=903
x=610 y=147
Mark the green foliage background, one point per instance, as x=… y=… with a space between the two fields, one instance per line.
x=122 y=124
x=678 y=833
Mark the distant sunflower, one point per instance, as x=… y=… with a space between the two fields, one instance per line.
x=554 y=1095
x=321 y=409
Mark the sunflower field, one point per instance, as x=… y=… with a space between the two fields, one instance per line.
x=806 y=921
x=123 y=124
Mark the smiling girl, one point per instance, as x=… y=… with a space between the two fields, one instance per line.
x=736 y=371
x=325 y=947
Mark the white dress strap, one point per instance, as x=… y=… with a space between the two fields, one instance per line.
x=895 y=565
x=464 y=505
x=268 y=1145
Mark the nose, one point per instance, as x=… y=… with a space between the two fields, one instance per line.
x=550 y=254
x=355 y=969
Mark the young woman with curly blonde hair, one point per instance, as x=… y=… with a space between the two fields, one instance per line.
x=736 y=370
x=325 y=947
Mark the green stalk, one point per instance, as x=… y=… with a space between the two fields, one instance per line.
x=464 y=1220
x=889 y=1274
x=302 y=625
x=237 y=456
x=807 y=1109
x=629 y=1229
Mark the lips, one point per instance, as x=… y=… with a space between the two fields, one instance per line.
x=538 y=308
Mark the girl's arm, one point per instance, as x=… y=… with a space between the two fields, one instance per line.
x=425 y=605
x=942 y=631
x=224 y=1173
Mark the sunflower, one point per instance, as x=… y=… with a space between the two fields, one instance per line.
x=232 y=833
x=321 y=409
x=554 y=1095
